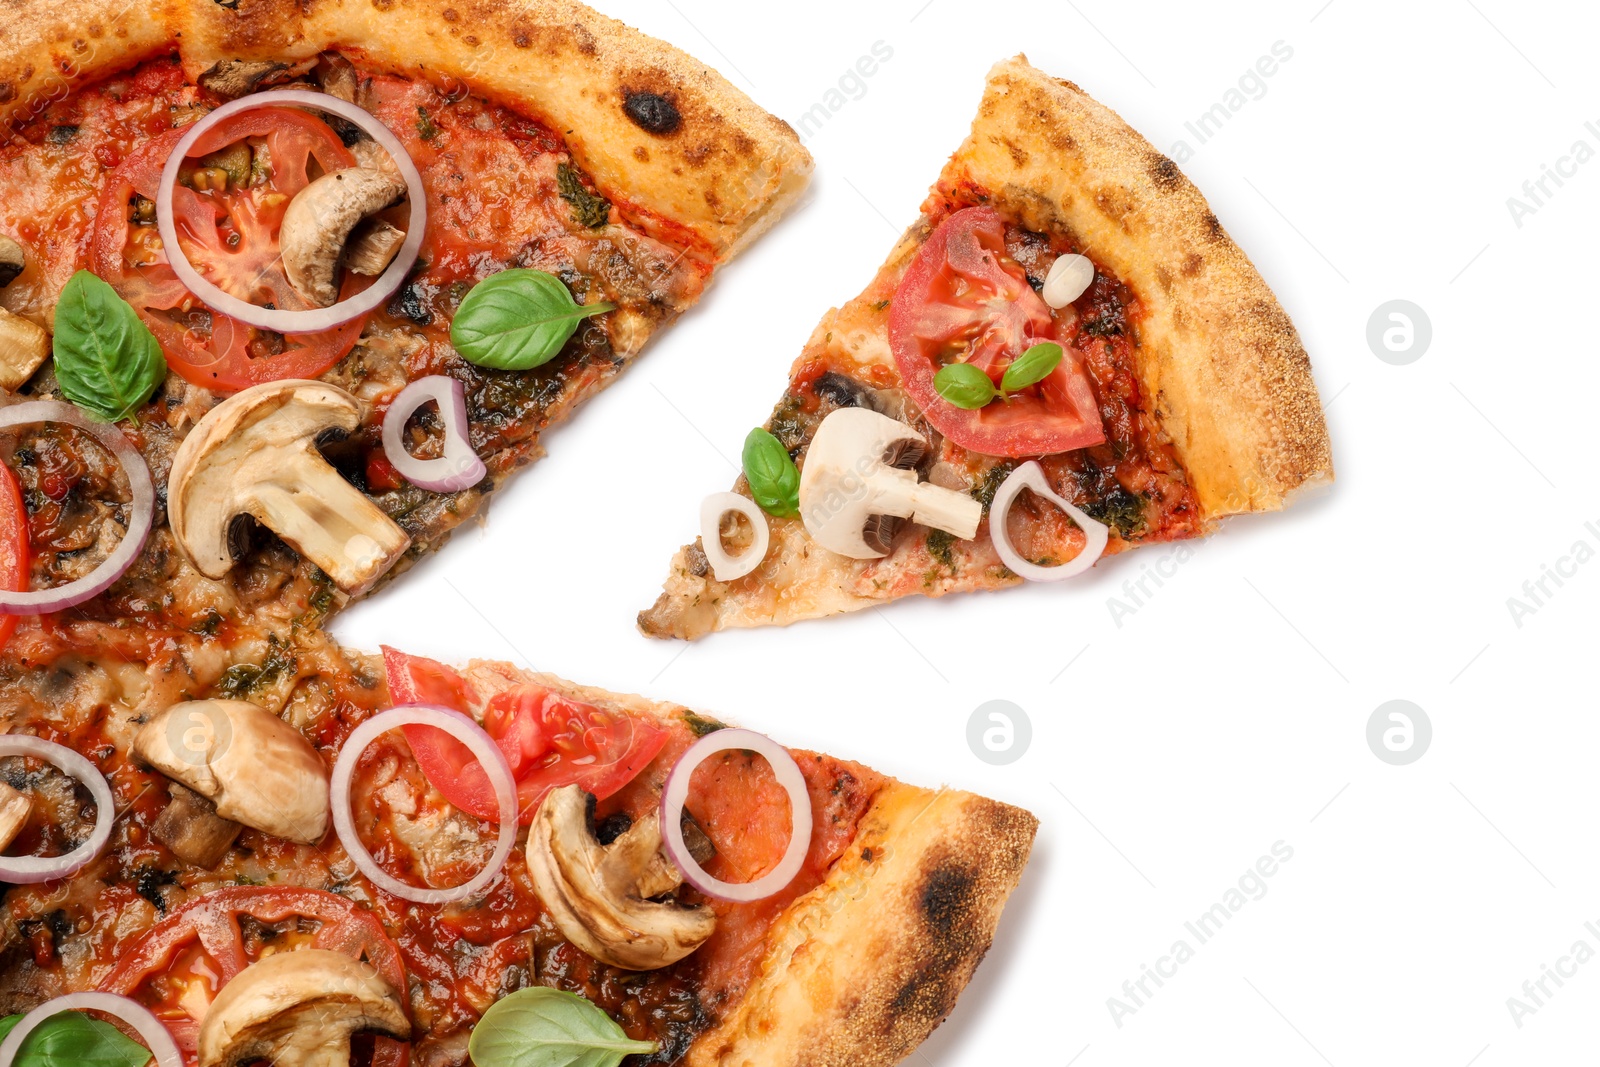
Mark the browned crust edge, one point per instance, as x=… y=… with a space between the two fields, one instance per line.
x=1231 y=381
x=726 y=172
x=860 y=970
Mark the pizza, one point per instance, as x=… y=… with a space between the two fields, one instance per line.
x=850 y=947
x=1066 y=356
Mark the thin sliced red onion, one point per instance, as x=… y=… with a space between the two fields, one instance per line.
x=489 y=755
x=313 y=320
x=156 y=1037
x=725 y=567
x=30 y=870
x=459 y=467
x=1031 y=476
x=143 y=507
x=788 y=774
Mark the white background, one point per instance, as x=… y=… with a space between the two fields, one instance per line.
x=1229 y=711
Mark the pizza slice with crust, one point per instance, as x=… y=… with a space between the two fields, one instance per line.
x=1065 y=357
x=713 y=897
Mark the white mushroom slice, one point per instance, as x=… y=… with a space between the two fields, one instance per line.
x=372 y=247
x=1069 y=278
x=593 y=891
x=318 y=222
x=299 y=1009
x=24 y=346
x=15 y=808
x=252 y=766
x=256 y=454
x=725 y=566
x=859 y=480
x=12 y=260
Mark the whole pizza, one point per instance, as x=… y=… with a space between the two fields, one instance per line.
x=287 y=293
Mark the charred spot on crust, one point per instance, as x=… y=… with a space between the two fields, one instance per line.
x=651 y=112
x=1164 y=172
x=1213 y=226
x=8 y=92
x=946 y=897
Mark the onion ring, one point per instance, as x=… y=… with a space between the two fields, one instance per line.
x=156 y=1037
x=1031 y=476
x=97 y=581
x=489 y=755
x=726 y=568
x=459 y=467
x=677 y=791
x=313 y=320
x=30 y=870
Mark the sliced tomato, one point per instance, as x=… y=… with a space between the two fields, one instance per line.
x=13 y=545
x=204 y=943
x=548 y=740
x=964 y=299
x=231 y=237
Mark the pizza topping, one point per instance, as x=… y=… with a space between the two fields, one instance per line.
x=963 y=300
x=12 y=260
x=322 y=223
x=463 y=731
x=107 y=361
x=15 y=808
x=727 y=566
x=191 y=829
x=252 y=766
x=141 y=511
x=518 y=319
x=676 y=792
x=317 y=227
x=29 y=870
x=147 y=1026
x=458 y=466
x=598 y=895
x=550 y=1028
x=256 y=454
x=299 y=1007
x=1031 y=476
x=860 y=480
x=1069 y=278
x=770 y=471
x=24 y=346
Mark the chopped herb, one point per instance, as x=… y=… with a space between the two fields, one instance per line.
x=588 y=209
x=207 y=626
x=425 y=127
x=700 y=724
x=993 y=478
x=149 y=884
x=939 y=544
x=60 y=135
x=1121 y=510
x=245 y=678
x=880 y=305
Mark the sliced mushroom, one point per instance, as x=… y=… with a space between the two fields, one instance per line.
x=254 y=767
x=372 y=246
x=299 y=1009
x=860 y=480
x=15 y=808
x=318 y=222
x=24 y=346
x=192 y=830
x=231 y=78
x=596 y=893
x=256 y=454
x=12 y=260
x=338 y=77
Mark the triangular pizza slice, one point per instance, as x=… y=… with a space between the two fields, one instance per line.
x=1066 y=356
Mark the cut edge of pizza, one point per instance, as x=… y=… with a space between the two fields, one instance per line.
x=1067 y=330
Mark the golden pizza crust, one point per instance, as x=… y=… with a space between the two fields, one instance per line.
x=1231 y=381
x=860 y=970
x=726 y=171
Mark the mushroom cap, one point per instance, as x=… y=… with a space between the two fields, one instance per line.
x=318 y=221
x=257 y=769
x=847 y=478
x=299 y=1008
x=15 y=807
x=591 y=890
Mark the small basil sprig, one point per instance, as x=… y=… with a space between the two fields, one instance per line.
x=107 y=361
x=73 y=1039
x=518 y=319
x=774 y=480
x=969 y=388
x=544 y=1027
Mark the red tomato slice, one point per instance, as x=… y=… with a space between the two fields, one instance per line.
x=962 y=298
x=548 y=740
x=232 y=237
x=204 y=939
x=13 y=545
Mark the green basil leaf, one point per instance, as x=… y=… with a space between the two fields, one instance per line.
x=774 y=481
x=73 y=1039
x=107 y=360
x=544 y=1027
x=518 y=319
x=965 y=386
x=1032 y=366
